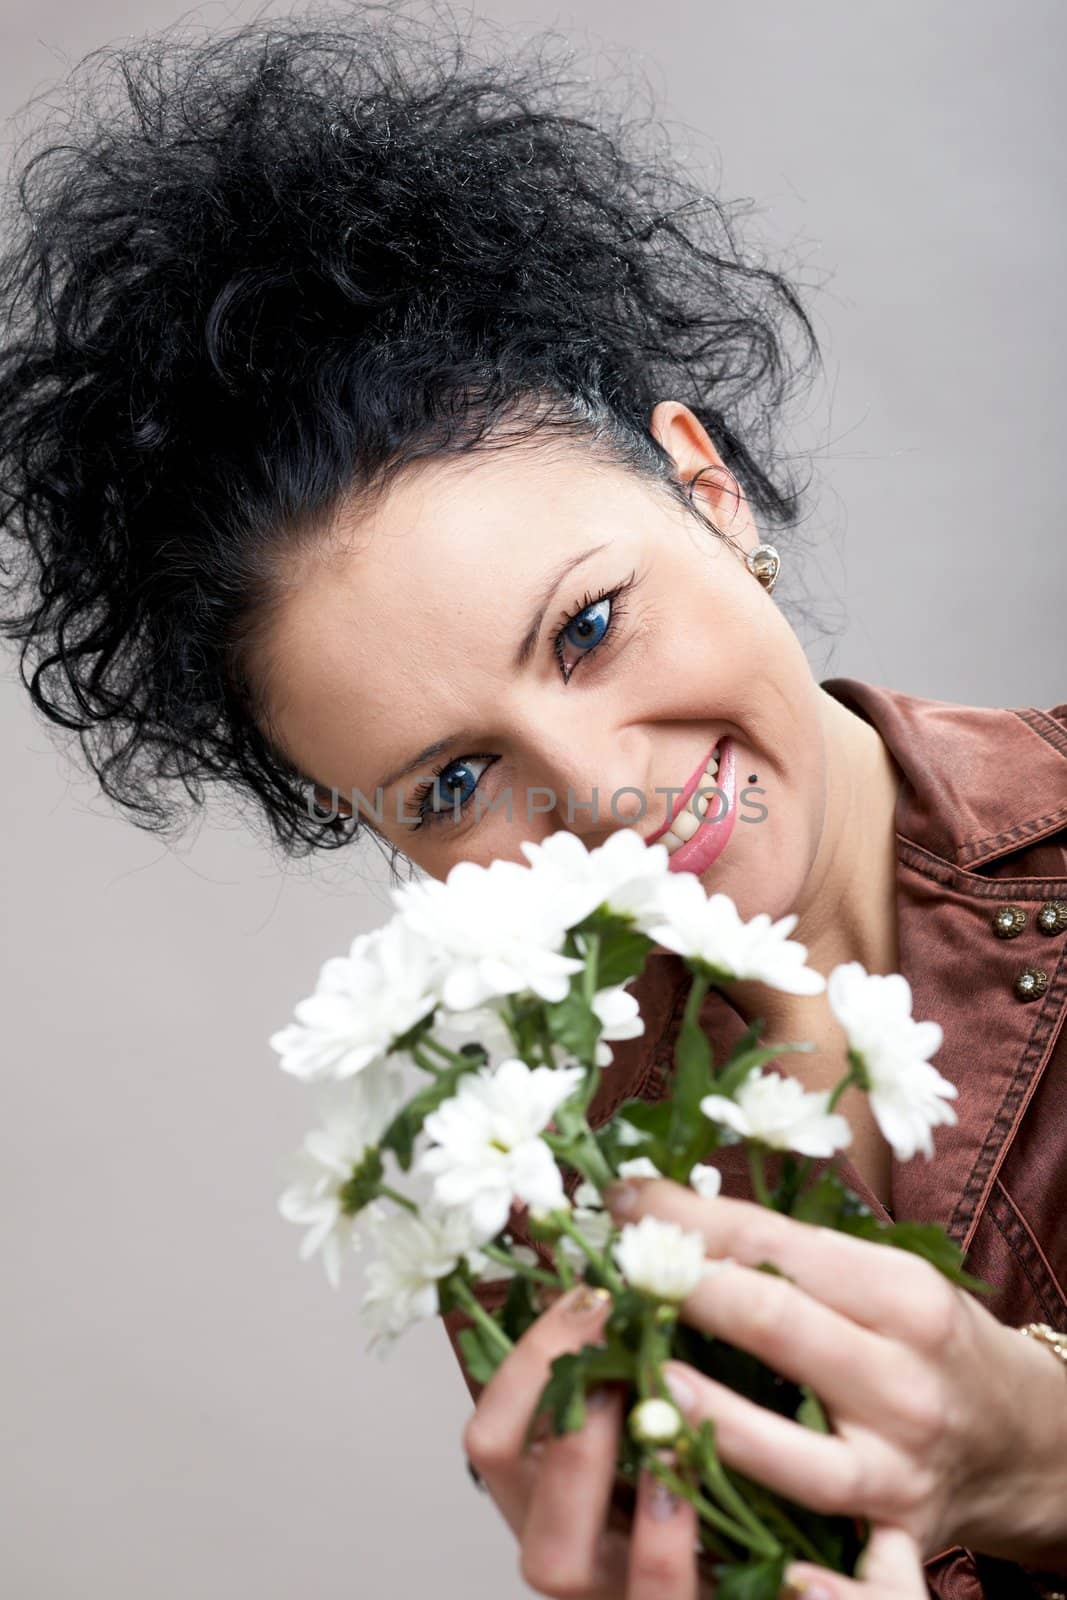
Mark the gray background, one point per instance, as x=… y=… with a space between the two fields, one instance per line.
x=187 y=1409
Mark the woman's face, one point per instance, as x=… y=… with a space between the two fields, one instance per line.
x=654 y=645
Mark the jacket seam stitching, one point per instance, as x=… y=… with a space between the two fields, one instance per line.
x=1006 y=1119
x=940 y=870
x=1007 y=1227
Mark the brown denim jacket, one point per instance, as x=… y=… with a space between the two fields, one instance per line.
x=981 y=823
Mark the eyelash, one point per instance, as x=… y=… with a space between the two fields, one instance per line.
x=615 y=616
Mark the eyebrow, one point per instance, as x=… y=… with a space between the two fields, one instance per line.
x=525 y=650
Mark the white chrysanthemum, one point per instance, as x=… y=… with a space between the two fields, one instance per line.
x=623 y=874
x=498 y=931
x=354 y=1117
x=709 y=928
x=659 y=1259
x=781 y=1113
x=362 y=1002
x=414 y=1253
x=907 y=1093
x=487 y=1151
x=620 y=1018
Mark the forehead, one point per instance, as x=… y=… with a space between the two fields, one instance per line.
x=403 y=617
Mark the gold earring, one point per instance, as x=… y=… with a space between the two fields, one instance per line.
x=764 y=563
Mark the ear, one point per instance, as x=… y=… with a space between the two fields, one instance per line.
x=685 y=438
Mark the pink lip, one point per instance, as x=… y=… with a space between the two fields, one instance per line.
x=683 y=798
x=713 y=835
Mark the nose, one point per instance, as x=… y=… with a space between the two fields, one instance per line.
x=598 y=783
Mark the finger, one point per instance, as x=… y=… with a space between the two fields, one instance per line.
x=890 y=1568
x=663 y=1544
x=876 y=1288
x=854 y=1370
x=818 y=1470
x=569 y=1500
x=495 y=1435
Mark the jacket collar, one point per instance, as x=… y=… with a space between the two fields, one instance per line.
x=978 y=781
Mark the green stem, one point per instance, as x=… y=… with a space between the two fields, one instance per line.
x=547 y=1051
x=734 y=1501
x=853 y=1075
x=600 y=1262
x=523 y=1268
x=453 y=1056
x=695 y=999
x=420 y=1058
x=400 y=1199
x=477 y=1312
x=591 y=961
x=759 y=1177
x=765 y=1546
x=774 y=1513
x=564 y=1268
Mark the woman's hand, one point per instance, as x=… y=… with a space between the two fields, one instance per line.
x=946 y=1424
x=555 y=1496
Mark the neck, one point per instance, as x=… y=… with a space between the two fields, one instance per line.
x=847 y=911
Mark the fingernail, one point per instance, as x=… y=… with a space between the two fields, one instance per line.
x=621 y=1197
x=599 y=1399
x=584 y=1300
x=682 y=1392
x=662 y=1504
x=798 y=1584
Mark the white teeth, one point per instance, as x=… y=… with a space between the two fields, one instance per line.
x=685 y=824
x=692 y=813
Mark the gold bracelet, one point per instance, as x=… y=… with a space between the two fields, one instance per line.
x=1056 y=1342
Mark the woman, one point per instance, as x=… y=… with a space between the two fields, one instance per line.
x=378 y=429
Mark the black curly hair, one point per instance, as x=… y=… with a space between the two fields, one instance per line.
x=281 y=265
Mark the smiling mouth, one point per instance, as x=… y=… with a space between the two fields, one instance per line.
x=692 y=838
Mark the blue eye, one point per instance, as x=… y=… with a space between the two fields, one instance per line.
x=450 y=789
x=589 y=626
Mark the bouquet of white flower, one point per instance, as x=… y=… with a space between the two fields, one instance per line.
x=534 y=960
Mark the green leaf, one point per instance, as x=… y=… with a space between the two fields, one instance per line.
x=405 y=1127
x=519 y=1311
x=742 y=1062
x=825 y=1201
x=810 y=1413
x=361 y=1187
x=622 y=957
x=754 y=1580
x=480 y=1362
x=926 y=1239
x=574 y=1024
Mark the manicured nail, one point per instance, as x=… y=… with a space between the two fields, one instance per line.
x=584 y=1300
x=799 y=1586
x=682 y=1392
x=662 y=1504
x=621 y=1197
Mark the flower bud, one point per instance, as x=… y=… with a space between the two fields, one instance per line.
x=544 y=1225
x=655 y=1422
